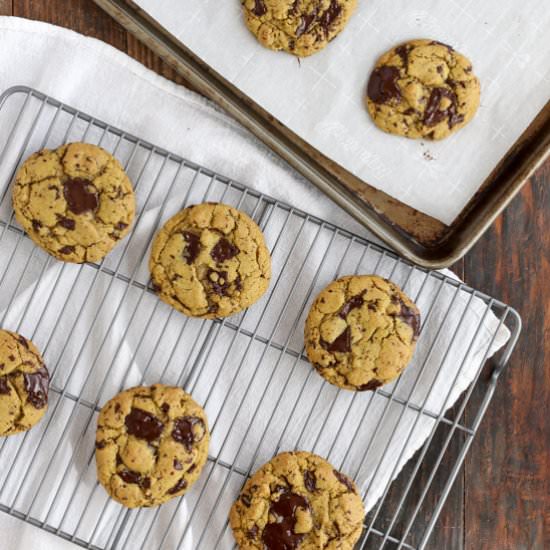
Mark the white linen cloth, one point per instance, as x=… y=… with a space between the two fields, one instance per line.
x=321 y=98
x=102 y=81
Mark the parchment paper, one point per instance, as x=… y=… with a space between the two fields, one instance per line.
x=321 y=98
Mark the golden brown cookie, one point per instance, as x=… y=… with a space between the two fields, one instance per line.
x=300 y=27
x=210 y=260
x=151 y=445
x=297 y=500
x=24 y=382
x=75 y=202
x=422 y=89
x=361 y=332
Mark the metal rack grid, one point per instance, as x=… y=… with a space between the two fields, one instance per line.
x=101 y=329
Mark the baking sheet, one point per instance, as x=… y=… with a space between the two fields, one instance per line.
x=321 y=97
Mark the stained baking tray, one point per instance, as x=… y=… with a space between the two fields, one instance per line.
x=84 y=318
x=417 y=236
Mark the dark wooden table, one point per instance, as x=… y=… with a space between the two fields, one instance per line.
x=501 y=500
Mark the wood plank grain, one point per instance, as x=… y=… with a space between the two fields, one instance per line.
x=82 y=16
x=6 y=7
x=507 y=497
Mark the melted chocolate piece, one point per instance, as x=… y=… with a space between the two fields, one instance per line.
x=245 y=499
x=218 y=287
x=36 y=225
x=67 y=250
x=165 y=408
x=341 y=344
x=344 y=480
x=353 y=303
x=143 y=425
x=309 y=481
x=305 y=23
x=120 y=226
x=130 y=477
x=223 y=250
x=191 y=251
x=259 y=8
x=145 y=483
x=382 y=86
x=410 y=316
x=81 y=195
x=100 y=444
x=4 y=388
x=280 y=535
x=403 y=53
x=370 y=386
x=434 y=115
x=183 y=431
x=67 y=223
x=23 y=341
x=36 y=385
x=177 y=464
x=180 y=485
x=327 y=18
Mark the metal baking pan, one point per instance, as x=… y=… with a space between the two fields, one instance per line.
x=417 y=236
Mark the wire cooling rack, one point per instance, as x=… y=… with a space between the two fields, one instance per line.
x=101 y=329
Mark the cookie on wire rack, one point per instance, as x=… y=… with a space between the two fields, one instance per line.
x=151 y=445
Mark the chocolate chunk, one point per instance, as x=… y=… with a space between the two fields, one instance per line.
x=4 y=388
x=36 y=224
x=328 y=17
x=305 y=23
x=310 y=481
x=280 y=535
x=81 y=195
x=67 y=223
x=100 y=444
x=179 y=486
x=193 y=247
x=130 y=477
x=220 y=285
x=165 y=407
x=252 y=532
x=410 y=316
x=344 y=480
x=66 y=250
x=370 y=386
x=143 y=425
x=23 y=341
x=36 y=385
x=341 y=344
x=177 y=464
x=383 y=86
x=145 y=483
x=192 y=469
x=120 y=226
x=245 y=499
x=434 y=115
x=259 y=8
x=183 y=431
x=403 y=53
x=223 y=250
x=353 y=303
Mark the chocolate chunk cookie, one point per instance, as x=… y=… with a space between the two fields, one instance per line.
x=24 y=382
x=76 y=202
x=297 y=500
x=210 y=260
x=151 y=445
x=300 y=27
x=422 y=89
x=361 y=332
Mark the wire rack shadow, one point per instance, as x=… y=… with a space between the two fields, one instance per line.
x=102 y=329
